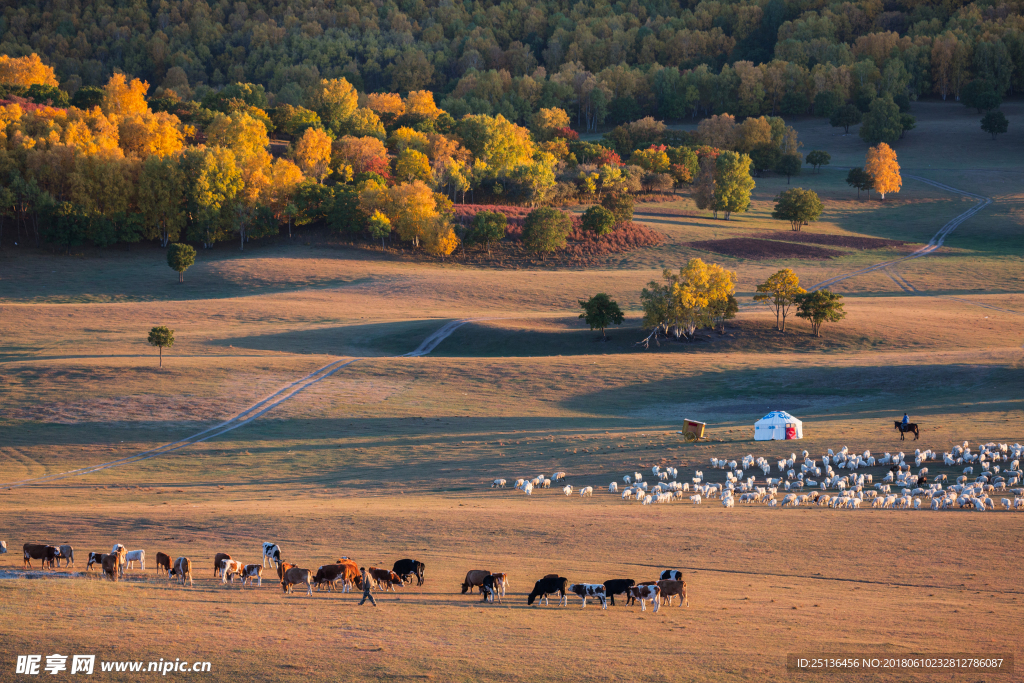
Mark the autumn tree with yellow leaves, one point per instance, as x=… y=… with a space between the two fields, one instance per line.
x=687 y=300
x=882 y=166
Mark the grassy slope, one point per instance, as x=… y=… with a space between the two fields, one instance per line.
x=514 y=395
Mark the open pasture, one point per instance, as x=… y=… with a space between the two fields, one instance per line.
x=392 y=456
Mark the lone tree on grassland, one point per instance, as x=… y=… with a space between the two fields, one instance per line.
x=820 y=307
x=732 y=183
x=545 y=230
x=789 y=164
x=882 y=123
x=161 y=337
x=844 y=117
x=780 y=292
x=180 y=257
x=860 y=179
x=881 y=165
x=817 y=159
x=995 y=123
x=600 y=312
x=798 y=206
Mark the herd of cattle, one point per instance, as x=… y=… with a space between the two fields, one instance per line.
x=997 y=465
x=669 y=584
x=345 y=571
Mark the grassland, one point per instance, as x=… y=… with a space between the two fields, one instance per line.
x=391 y=457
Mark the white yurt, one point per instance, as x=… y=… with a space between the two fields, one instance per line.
x=778 y=425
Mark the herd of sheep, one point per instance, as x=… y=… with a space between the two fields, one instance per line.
x=991 y=468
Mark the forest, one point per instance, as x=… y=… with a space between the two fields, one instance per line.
x=198 y=122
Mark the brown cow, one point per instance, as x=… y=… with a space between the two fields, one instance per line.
x=294 y=576
x=384 y=578
x=474 y=577
x=329 y=574
x=163 y=562
x=218 y=559
x=351 y=576
x=183 y=568
x=282 y=568
x=252 y=571
x=671 y=587
x=47 y=554
x=112 y=566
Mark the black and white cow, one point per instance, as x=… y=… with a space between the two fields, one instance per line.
x=590 y=590
x=671 y=574
x=614 y=587
x=272 y=552
x=490 y=587
x=645 y=592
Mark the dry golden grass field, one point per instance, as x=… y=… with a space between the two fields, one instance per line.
x=391 y=456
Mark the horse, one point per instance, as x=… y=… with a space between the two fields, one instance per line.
x=911 y=427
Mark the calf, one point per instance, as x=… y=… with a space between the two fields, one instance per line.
x=551 y=583
x=490 y=586
x=408 y=568
x=295 y=576
x=670 y=587
x=474 y=577
x=501 y=582
x=95 y=558
x=183 y=568
x=590 y=590
x=613 y=587
x=250 y=572
x=163 y=562
x=229 y=569
x=112 y=565
x=218 y=563
x=272 y=552
x=67 y=553
x=133 y=556
x=673 y=574
x=384 y=578
x=643 y=593
x=46 y=554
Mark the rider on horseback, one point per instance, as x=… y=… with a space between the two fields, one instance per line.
x=906 y=421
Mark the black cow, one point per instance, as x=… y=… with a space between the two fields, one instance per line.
x=488 y=589
x=613 y=587
x=671 y=575
x=408 y=568
x=46 y=554
x=552 y=583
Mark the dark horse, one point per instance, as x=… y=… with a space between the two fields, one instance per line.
x=911 y=427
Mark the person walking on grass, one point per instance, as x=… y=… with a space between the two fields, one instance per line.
x=366 y=588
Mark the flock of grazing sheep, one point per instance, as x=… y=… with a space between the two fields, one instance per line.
x=997 y=466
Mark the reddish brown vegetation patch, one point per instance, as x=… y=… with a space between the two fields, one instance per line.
x=837 y=240
x=582 y=247
x=758 y=250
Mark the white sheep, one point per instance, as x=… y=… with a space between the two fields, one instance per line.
x=637 y=476
x=558 y=476
x=693 y=499
x=627 y=494
x=613 y=487
x=567 y=490
x=728 y=502
x=627 y=480
x=528 y=488
x=586 y=492
x=546 y=484
x=498 y=484
x=519 y=483
x=647 y=500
